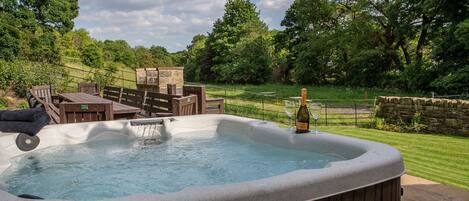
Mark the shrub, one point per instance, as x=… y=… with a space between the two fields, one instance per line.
x=21 y=75
x=92 y=55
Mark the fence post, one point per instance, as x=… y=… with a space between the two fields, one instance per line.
x=263 y=116
x=355 y=107
x=123 y=84
x=325 y=104
x=226 y=100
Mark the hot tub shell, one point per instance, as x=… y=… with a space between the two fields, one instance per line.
x=369 y=168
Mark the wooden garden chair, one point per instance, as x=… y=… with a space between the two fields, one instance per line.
x=185 y=106
x=89 y=88
x=205 y=106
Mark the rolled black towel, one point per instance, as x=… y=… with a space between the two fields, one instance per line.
x=29 y=121
x=29 y=115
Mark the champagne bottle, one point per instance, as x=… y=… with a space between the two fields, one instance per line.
x=302 y=117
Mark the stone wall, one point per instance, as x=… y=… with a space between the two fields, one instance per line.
x=434 y=115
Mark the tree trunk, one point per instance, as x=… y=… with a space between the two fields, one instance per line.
x=426 y=21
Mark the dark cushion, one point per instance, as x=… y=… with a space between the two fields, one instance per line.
x=30 y=128
x=29 y=115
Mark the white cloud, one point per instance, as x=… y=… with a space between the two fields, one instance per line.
x=170 y=23
x=274 y=4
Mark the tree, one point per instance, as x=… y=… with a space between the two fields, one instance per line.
x=119 y=51
x=92 y=55
x=240 y=29
x=54 y=14
x=193 y=57
x=9 y=43
x=161 y=56
x=144 y=58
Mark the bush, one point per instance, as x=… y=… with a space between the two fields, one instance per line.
x=3 y=103
x=103 y=77
x=92 y=55
x=21 y=75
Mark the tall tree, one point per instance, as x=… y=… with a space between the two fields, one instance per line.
x=222 y=60
x=55 y=14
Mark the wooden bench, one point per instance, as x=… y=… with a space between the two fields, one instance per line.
x=112 y=93
x=205 y=106
x=159 y=104
x=89 y=88
x=85 y=112
x=185 y=106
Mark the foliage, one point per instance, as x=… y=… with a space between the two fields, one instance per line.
x=119 y=51
x=144 y=58
x=103 y=77
x=161 y=56
x=20 y=75
x=452 y=71
x=372 y=43
x=92 y=55
x=193 y=57
x=9 y=43
x=238 y=50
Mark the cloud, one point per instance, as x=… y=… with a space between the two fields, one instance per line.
x=275 y=4
x=170 y=23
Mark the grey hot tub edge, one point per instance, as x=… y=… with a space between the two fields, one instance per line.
x=368 y=168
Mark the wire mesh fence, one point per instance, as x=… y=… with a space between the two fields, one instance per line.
x=270 y=107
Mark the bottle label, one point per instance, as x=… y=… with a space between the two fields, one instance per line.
x=302 y=126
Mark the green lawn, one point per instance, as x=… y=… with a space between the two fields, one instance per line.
x=439 y=158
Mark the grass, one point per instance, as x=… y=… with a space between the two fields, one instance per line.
x=439 y=158
x=314 y=92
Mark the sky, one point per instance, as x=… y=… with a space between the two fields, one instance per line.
x=168 y=23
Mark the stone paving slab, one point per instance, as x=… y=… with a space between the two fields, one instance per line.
x=418 y=189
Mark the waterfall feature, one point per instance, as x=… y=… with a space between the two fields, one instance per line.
x=151 y=131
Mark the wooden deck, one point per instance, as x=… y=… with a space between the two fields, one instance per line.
x=120 y=110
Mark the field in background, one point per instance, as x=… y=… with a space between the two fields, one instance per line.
x=340 y=105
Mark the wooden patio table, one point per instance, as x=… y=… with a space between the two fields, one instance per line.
x=121 y=111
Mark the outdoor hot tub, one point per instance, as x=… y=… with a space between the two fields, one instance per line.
x=204 y=157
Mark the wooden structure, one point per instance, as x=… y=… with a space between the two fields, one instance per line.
x=157 y=79
x=120 y=111
x=385 y=191
x=159 y=104
x=185 y=106
x=112 y=93
x=44 y=92
x=85 y=112
x=206 y=106
x=132 y=97
x=171 y=88
x=89 y=88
